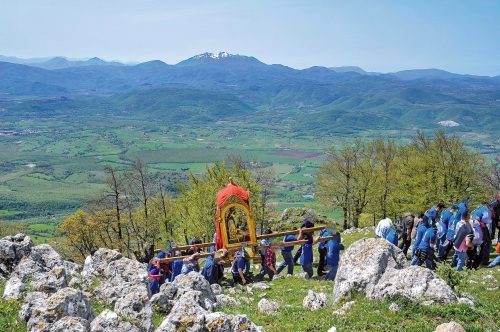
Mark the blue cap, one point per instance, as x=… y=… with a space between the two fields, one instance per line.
x=161 y=254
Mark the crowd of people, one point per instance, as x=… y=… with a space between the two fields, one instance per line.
x=213 y=269
x=469 y=233
x=431 y=235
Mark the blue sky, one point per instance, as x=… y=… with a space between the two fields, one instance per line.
x=376 y=35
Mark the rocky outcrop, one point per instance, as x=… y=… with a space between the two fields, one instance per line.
x=109 y=321
x=43 y=313
x=189 y=314
x=135 y=306
x=71 y=324
x=13 y=289
x=12 y=250
x=380 y=269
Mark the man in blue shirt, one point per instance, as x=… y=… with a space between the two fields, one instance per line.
x=322 y=252
x=425 y=251
x=442 y=230
x=333 y=255
x=420 y=234
x=432 y=214
x=238 y=267
x=306 y=258
x=286 y=252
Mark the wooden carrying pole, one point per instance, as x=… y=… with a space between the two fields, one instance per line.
x=177 y=248
x=304 y=231
x=280 y=244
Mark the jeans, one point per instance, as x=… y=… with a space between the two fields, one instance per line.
x=454 y=259
x=308 y=269
x=322 y=261
x=441 y=247
x=287 y=261
x=461 y=257
x=297 y=255
x=332 y=273
x=429 y=262
x=485 y=248
x=495 y=262
x=265 y=270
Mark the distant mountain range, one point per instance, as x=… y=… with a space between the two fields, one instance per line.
x=210 y=86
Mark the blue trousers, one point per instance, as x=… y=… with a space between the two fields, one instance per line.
x=308 y=269
x=441 y=247
x=287 y=261
x=495 y=262
x=332 y=273
x=416 y=261
x=461 y=257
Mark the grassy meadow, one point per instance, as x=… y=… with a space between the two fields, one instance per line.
x=364 y=315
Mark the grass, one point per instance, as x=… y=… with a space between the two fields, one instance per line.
x=368 y=315
x=9 y=313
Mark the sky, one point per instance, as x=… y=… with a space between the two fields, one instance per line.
x=377 y=35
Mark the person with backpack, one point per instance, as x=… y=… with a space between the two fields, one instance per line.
x=286 y=253
x=484 y=215
x=239 y=263
x=425 y=251
x=463 y=241
x=333 y=255
x=407 y=224
x=442 y=231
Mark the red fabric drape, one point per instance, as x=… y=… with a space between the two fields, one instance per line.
x=222 y=196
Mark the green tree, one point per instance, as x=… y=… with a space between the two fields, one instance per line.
x=347 y=179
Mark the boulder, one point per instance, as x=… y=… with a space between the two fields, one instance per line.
x=226 y=299
x=67 y=302
x=414 y=283
x=268 y=307
x=161 y=302
x=216 y=289
x=109 y=321
x=186 y=314
x=102 y=258
x=380 y=269
x=46 y=256
x=314 y=301
x=450 y=327
x=50 y=282
x=71 y=324
x=34 y=301
x=27 y=268
x=72 y=269
x=13 y=289
x=110 y=292
x=12 y=250
x=194 y=281
x=134 y=305
x=126 y=270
